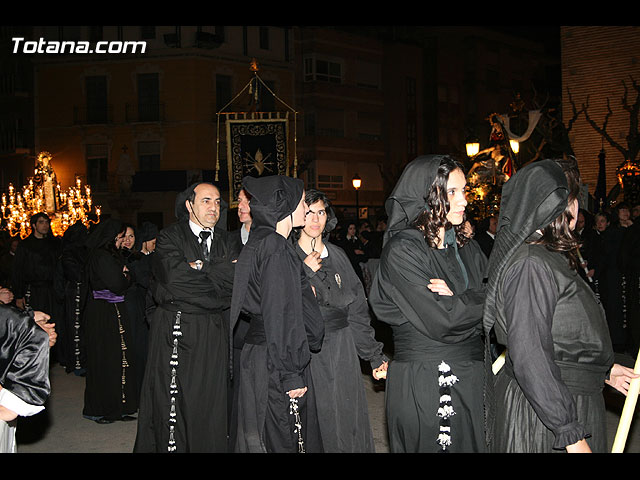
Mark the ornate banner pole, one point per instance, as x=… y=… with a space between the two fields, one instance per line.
x=627 y=412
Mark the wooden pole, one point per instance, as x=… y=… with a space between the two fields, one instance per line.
x=627 y=412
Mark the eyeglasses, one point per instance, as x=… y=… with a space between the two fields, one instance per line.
x=319 y=213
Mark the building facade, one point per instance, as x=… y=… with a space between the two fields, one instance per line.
x=598 y=64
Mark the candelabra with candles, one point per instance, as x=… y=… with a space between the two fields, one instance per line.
x=44 y=194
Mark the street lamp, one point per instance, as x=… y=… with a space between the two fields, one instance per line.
x=357 y=183
x=515 y=146
x=473 y=147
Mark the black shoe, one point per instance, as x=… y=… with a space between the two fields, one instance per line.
x=127 y=418
x=103 y=421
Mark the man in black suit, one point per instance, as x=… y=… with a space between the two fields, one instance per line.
x=487 y=233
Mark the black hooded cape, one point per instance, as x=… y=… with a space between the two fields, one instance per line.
x=271 y=287
x=431 y=333
x=110 y=391
x=183 y=403
x=549 y=393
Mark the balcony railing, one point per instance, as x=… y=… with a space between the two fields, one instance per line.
x=151 y=112
x=93 y=115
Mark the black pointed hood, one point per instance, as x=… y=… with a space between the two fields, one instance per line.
x=103 y=233
x=409 y=196
x=531 y=199
x=147 y=231
x=273 y=198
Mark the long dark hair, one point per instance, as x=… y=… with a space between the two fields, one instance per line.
x=558 y=236
x=431 y=220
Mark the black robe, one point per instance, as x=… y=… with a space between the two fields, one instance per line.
x=286 y=324
x=110 y=391
x=558 y=350
x=337 y=376
x=34 y=272
x=183 y=404
x=613 y=286
x=24 y=365
x=24 y=356
x=70 y=342
x=429 y=330
x=437 y=367
x=135 y=299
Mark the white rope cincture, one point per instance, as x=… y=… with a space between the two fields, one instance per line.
x=446 y=379
x=173 y=385
x=76 y=328
x=293 y=410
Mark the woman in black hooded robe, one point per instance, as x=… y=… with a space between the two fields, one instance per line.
x=337 y=376
x=548 y=394
x=286 y=324
x=138 y=263
x=110 y=392
x=429 y=288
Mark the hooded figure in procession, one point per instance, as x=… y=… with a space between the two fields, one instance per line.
x=110 y=388
x=429 y=288
x=548 y=395
x=183 y=405
x=275 y=413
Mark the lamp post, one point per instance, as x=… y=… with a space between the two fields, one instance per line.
x=473 y=147
x=357 y=183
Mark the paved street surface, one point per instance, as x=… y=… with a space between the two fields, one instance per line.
x=62 y=429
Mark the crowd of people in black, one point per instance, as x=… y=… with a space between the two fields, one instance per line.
x=252 y=340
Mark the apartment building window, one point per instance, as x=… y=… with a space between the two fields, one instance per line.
x=330 y=182
x=367 y=74
x=264 y=38
x=330 y=175
x=149 y=156
x=223 y=91
x=322 y=70
x=330 y=123
x=96 y=96
x=147 y=32
x=97 y=166
x=148 y=97
x=369 y=126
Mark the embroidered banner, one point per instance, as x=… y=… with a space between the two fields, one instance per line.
x=255 y=147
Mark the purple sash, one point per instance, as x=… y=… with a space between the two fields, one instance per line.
x=108 y=295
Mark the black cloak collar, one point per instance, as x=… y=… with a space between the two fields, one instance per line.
x=409 y=196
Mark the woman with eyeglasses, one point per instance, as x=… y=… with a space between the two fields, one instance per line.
x=335 y=369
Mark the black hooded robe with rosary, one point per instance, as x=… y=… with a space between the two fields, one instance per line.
x=110 y=390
